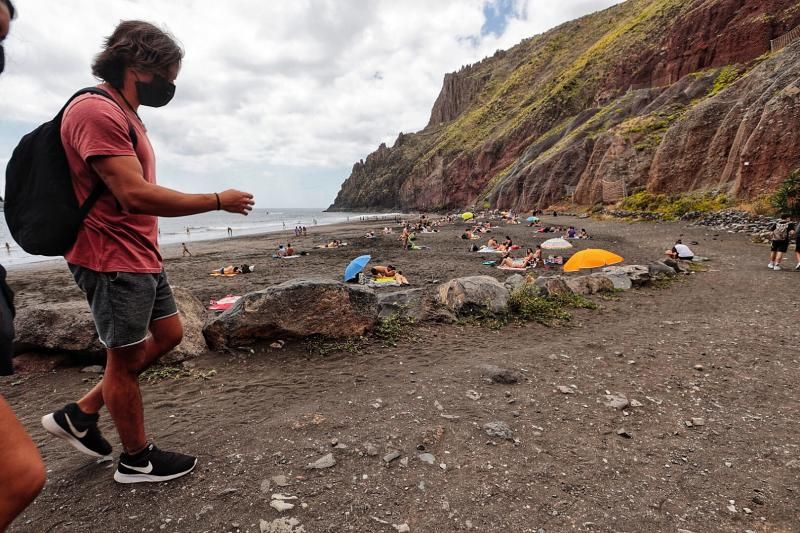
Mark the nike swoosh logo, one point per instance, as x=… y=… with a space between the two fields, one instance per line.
x=79 y=434
x=143 y=469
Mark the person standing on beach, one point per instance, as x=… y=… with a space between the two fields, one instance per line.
x=116 y=260
x=185 y=250
x=781 y=231
x=22 y=472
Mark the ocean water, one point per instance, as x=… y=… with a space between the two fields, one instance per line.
x=205 y=227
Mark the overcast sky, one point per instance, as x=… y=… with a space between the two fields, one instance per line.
x=276 y=98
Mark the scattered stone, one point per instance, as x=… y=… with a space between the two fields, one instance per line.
x=698 y=422
x=732 y=508
x=265 y=485
x=326 y=461
x=94 y=369
x=281 y=506
x=280 y=480
x=636 y=403
x=497 y=374
x=277 y=344
x=563 y=389
x=699 y=368
x=473 y=395
x=404 y=461
x=391 y=456
x=616 y=401
x=283 y=497
x=402 y=528
x=449 y=417
x=498 y=429
x=438 y=405
x=281 y=525
x=370 y=449
x=427 y=458
x=622 y=432
x=759 y=499
x=747 y=510
x=203 y=510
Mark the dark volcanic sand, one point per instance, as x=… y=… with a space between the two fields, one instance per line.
x=273 y=411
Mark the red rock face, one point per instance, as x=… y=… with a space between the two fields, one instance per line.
x=743 y=140
x=713 y=34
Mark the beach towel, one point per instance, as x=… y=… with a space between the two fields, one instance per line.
x=383 y=282
x=489 y=263
x=290 y=257
x=487 y=250
x=515 y=269
x=223 y=303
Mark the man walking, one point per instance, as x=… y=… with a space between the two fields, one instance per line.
x=781 y=231
x=22 y=473
x=116 y=260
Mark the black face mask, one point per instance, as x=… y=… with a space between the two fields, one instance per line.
x=156 y=93
x=2 y=58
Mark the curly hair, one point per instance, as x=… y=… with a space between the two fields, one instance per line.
x=136 y=44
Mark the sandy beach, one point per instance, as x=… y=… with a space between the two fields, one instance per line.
x=717 y=345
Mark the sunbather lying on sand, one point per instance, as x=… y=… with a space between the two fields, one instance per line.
x=230 y=269
x=388 y=271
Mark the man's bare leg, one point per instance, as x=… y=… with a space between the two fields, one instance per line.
x=22 y=473
x=165 y=334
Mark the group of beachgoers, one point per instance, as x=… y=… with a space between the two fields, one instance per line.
x=782 y=232
x=568 y=232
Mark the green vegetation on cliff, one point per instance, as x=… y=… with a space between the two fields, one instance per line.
x=590 y=103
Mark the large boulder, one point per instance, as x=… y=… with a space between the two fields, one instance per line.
x=590 y=284
x=57 y=327
x=193 y=318
x=474 y=294
x=295 y=309
x=552 y=286
x=409 y=302
x=619 y=281
x=638 y=274
x=515 y=281
x=658 y=269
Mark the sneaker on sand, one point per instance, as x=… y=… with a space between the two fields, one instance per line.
x=777 y=267
x=771 y=264
x=77 y=428
x=153 y=465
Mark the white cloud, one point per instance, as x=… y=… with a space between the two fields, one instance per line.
x=273 y=97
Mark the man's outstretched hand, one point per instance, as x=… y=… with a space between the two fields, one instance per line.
x=234 y=201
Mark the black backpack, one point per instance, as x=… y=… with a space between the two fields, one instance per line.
x=40 y=207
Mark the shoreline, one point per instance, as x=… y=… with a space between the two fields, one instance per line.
x=47 y=263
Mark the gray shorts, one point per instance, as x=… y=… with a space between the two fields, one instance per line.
x=123 y=304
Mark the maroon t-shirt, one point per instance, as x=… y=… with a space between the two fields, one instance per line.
x=110 y=240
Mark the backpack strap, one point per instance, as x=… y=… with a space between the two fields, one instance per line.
x=100 y=188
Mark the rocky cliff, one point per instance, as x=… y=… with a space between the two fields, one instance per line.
x=671 y=95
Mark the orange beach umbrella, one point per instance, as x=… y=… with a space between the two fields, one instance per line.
x=591 y=258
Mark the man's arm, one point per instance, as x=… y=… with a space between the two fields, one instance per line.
x=124 y=177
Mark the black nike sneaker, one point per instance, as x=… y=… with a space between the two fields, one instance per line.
x=153 y=465
x=77 y=428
